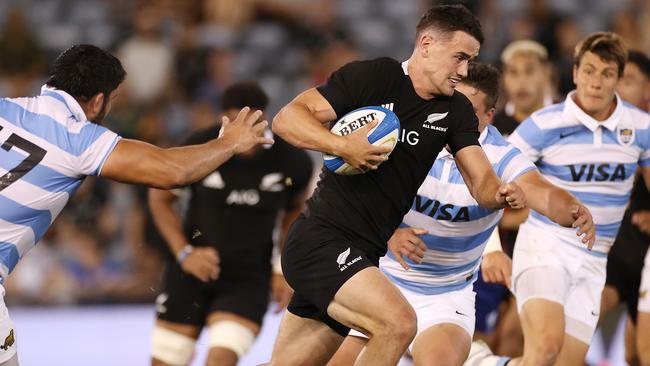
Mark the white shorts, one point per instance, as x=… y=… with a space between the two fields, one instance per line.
x=644 y=289
x=7 y=332
x=454 y=307
x=544 y=267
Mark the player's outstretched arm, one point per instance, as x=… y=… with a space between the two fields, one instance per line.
x=201 y=262
x=558 y=205
x=483 y=183
x=138 y=162
x=303 y=123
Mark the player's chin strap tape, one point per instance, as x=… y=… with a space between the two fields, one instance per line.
x=231 y=335
x=171 y=347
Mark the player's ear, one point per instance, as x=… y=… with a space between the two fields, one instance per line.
x=94 y=105
x=424 y=43
x=489 y=115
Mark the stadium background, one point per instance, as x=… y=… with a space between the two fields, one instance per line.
x=85 y=294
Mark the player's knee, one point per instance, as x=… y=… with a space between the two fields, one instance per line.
x=232 y=336
x=170 y=347
x=401 y=326
x=545 y=351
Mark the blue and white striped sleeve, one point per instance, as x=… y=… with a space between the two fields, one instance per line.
x=529 y=139
x=97 y=144
x=513 y=164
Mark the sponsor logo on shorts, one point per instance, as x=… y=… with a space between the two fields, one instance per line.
x=9 y=341
x=459 y=313
x=642 y=293
x=594 y=313
x=343 y=257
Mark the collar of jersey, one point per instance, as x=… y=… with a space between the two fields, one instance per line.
x=576 y=112
x=444 y=154
x=67 y=99
x=405 y=67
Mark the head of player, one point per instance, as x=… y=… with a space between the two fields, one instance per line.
x=240 y=95
x=91 y=75
x=447 y=38
x=481 y=87
x=526 y=76
x=634 y=86
x=599 y=62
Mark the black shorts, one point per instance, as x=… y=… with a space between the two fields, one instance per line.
x=625 y=264
x=317 y=260
x=187 y=300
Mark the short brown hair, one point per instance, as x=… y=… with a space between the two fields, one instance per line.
x=450 y=18
x=485 y=78
x=608 y=46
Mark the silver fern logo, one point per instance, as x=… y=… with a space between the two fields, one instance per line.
x=343 y=257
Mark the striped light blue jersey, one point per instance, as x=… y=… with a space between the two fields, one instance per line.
x=595 y=161
x=48 y=147
x=458 y=228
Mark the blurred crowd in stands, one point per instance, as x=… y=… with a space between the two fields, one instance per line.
x=180 y=55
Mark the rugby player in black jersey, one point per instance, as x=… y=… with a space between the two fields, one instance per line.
x=221 y=276
x=331 y=253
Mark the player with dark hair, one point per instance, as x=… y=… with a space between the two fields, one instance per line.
x=332 y=251
x=591 y=145
x=222 y=275
x=51 y=142
x=625 y=261
x=446 y=235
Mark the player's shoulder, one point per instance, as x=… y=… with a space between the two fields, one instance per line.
x=635 y=117
x=549 y=113
x=385 y=66
x=495 y=138
x=459 y=99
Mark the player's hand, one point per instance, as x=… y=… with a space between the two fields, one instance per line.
x=281 y=292
x=496 y=267
x=512 y=195
x=405 y=242
x=360 y=153
x=642 y=220
x=202 y=263
x=244 y=132
x=584 y=222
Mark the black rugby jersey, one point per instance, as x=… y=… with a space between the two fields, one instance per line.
x=234 y=209
x=367 y=208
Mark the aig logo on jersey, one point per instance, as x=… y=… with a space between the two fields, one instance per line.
x=625 y=136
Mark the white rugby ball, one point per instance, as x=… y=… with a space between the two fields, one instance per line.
x=385 y=133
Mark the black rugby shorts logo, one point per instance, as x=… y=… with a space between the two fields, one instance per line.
x=342 y=260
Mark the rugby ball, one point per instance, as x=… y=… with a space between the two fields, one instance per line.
x=385 y=133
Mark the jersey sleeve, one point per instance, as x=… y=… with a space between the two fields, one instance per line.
x=529 y=139
x=513 y=164
x=95 y=145
x=356 y=85
x=465 y=132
